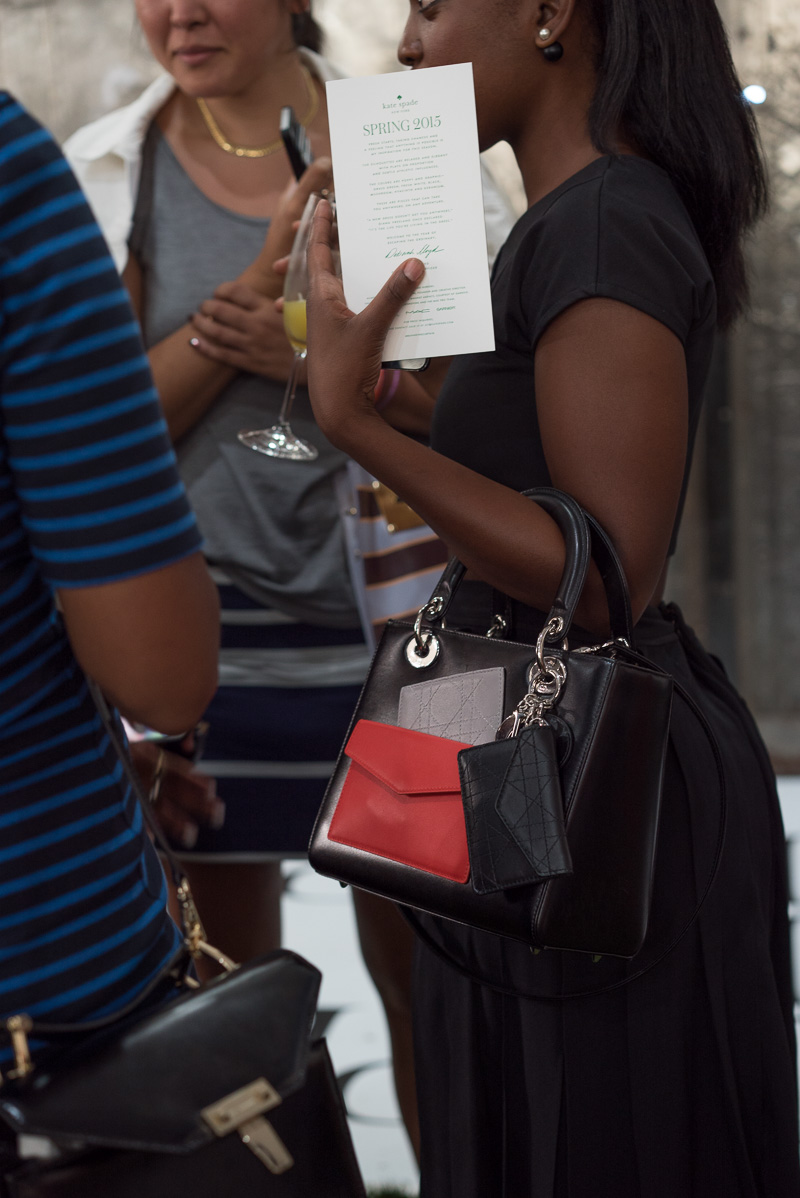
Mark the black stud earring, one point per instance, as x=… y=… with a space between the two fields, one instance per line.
x=551 y=53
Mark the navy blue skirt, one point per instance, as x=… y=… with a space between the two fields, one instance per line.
x=287 y=693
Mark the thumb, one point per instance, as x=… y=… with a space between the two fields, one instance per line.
x=398 y=290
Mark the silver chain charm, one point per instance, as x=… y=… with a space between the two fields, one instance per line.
x=546 y=678
x=423 y=648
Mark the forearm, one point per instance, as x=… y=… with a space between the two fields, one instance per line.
x=260 y=274
x=407 y=398
x=613 y=429
x=409 y=407
x=187 y=383
x=502 y=537
x=190 y=381
x=194 y=364
x=150 y=641
x=432 y=378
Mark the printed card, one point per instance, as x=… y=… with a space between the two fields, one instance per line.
x=408 y=185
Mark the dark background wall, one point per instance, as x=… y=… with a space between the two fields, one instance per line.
x=738 y=569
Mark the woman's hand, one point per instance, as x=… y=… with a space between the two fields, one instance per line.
x=344 y=349
x=242 y=328
x=185 y=798
x=194 y=363
x=261 y=273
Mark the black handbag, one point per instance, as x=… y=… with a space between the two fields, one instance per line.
x=577 y=877
x=221 y=1090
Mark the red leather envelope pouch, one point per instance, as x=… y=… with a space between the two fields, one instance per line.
x=401 y=799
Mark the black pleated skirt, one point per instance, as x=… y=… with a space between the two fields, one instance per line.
x=680 y=1083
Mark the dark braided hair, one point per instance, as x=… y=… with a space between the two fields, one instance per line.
x=306 y=31
x=667 y=81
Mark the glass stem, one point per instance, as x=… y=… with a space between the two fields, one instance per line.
x=291 y=388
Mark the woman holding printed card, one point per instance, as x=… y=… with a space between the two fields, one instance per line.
x=642 y=173
x=194 y=192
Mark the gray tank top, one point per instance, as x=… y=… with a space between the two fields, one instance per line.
x=272 y=526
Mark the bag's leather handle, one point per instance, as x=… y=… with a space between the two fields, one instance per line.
x=606 y=559
x=583 y=538
x=614 y=581
x=442 y=594
x=571 y=521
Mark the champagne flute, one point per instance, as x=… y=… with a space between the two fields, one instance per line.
x=280 y=441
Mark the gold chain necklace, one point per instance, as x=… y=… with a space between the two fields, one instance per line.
x=260 y=151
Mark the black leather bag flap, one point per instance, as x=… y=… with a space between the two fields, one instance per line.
x=146 y=1087
x=312 y=1123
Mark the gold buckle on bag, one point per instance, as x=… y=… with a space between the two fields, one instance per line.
x=243 y=1111
x=18 y=1027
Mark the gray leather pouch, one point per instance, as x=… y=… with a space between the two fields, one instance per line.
x=464 y=707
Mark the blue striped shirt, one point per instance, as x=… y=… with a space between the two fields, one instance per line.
x=89 y=493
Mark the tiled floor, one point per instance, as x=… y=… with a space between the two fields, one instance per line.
x=319 y=924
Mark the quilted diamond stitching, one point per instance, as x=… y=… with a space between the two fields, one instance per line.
x=495 y=860
x=533 y=848
x=530 y=803
x=466 y=707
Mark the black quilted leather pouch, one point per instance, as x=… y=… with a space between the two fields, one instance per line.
x=513 y=811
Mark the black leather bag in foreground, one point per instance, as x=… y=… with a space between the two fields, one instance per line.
x=220 y=1091
x=590 y=729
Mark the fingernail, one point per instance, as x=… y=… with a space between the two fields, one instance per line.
x=189 y=837
x=217 y=817
x=194 y=342
x=414 y=270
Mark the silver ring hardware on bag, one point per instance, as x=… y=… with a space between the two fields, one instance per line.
x=619 y=642
x=423 y=648
x=498 y=628
x=551 y=632
x=545 y=683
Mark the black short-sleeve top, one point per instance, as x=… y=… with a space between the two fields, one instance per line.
x=617 y=229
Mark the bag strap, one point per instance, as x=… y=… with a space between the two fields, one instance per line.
x=453 y=963
x=191 y=925
x=194 y=943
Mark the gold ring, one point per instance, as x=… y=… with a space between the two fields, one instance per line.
x=158 y=776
